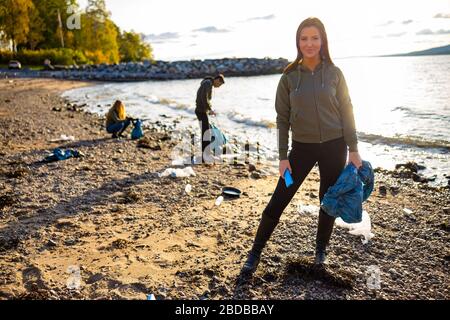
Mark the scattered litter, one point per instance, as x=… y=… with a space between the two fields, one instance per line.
x=219 y=201
x=309 y=209
x=59 y=154
x=51 y=243
x=178 y=162
x=63 y=138
x=188 y=188
x=151 y=297
x=362 y=228
x=178 y=173
x=231 y=192
x=407 y=211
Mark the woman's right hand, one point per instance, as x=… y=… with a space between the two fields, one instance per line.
x=284 y=164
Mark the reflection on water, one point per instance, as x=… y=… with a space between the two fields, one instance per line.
x=401 y=107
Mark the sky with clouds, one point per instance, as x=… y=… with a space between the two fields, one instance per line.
x=181 y=29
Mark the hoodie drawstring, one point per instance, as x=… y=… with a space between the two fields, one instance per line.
x=299 y=77
x=322 y=76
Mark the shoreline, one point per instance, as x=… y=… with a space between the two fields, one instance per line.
x=132 y=233
x=180 y=114
x=158 y=70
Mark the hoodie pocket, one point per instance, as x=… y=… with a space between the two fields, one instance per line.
x=296 y=100
x=293 y=116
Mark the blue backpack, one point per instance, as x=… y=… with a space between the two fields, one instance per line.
x=137 y=131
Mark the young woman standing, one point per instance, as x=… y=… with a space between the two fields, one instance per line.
x=313 y=102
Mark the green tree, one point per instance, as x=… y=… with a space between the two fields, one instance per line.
x=37 y=28
x=98 y=34
x=34 y=24
x=15 y=20
x=97 y=9
x=48 y=12
x=132 y=47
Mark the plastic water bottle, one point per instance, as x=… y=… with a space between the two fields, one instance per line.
x=219 y=201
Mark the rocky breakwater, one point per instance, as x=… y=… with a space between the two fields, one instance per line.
x=159 y=70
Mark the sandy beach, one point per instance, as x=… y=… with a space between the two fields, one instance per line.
x=111 y=223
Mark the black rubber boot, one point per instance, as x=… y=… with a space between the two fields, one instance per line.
x=324 y=231
x=321 y=256
x=265 y=229
x=251 y=263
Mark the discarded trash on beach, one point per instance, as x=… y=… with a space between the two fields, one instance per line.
x=178 y=173
x=362 y=228
x=188 y=188
x=63 y=138
x=407 y=211
x=219 y=201
x=60 y=154
x=231 y=192
x=309 y=209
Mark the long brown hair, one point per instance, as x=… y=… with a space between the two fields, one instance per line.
x=324 y=52
x=119 y=107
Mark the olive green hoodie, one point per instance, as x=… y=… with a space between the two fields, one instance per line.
x=316 y=106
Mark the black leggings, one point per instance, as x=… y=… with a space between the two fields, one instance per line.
x=331 y=157
x=203 y=118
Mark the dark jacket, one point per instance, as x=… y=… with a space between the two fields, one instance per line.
x=112 y=117
x=316 y=106
x=203 y=101
x=344 y=199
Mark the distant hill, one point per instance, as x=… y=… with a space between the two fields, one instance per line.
x=428 y=52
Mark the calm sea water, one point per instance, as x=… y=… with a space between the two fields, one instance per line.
x=401 y=106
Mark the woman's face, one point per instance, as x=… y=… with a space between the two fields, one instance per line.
x=310 y=42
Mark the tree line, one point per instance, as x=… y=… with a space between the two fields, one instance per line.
x=42 y=25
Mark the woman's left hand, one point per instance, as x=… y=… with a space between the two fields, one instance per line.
x=355 y=158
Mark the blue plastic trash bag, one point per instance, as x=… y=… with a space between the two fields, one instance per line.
x=60 y=154
x=218 y=140
x=137 y=131
x=344 y=199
